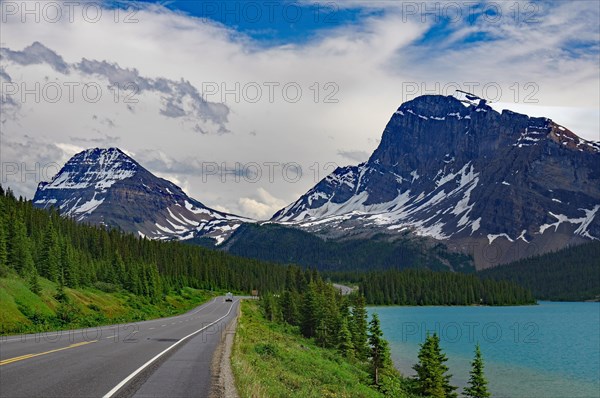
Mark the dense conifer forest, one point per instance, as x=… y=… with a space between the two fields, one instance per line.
x=425 y=287
x=570 y=274
x=288 y=245
x=36 y=243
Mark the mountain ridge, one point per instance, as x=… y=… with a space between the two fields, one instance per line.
x=108 y=187
x=497 y=186
x=448 y=169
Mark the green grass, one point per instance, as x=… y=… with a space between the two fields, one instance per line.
x=23 y=311
x=273 y=360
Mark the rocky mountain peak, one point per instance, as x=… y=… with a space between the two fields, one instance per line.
x=96 y=167
x=108 y=187
x=455 y=170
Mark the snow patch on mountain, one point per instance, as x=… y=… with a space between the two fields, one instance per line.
x=583 y=222
x=402 y=211
x=101 y=168
x=86 y=208
x=492 y=237
x=97 y=184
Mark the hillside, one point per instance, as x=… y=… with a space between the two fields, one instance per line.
x=49 y=263
x=288 y=364
x=570 y=274
x=286 y=245
x=49 y=307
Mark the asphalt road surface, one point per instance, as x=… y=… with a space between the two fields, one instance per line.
x=168 y=357
x=345 y=290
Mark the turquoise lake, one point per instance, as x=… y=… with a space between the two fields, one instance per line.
x=547 y=350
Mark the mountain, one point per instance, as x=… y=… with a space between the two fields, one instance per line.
x=498 y=186
x=287 y=245
x=107 y=187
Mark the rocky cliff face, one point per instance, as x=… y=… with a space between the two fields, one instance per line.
x=107 y=187
x=500 y=186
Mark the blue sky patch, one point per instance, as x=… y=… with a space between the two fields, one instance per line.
x=269 y=22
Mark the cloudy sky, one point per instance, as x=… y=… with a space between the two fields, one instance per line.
x=246 y=105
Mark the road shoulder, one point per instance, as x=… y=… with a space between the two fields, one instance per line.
x=223 y=381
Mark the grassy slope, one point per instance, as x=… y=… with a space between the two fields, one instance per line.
x=23 y=311
x=271 y=360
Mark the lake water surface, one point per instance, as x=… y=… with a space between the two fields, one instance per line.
x=548 y=350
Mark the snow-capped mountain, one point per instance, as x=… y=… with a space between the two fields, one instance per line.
x=107 y=187
x=499 y=186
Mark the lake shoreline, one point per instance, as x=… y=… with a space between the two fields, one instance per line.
x=547 y=349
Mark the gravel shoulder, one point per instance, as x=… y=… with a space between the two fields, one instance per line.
x=223 y=382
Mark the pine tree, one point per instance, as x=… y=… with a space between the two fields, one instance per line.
x=380 y=352
x=3 y=238
x=289 y=307
x=50 y=254
x=431 y=377
x=321 y=333
x=154 y=284
x=118 y=273
x=270 y=307
x=68 y=270
x=19 y=254
x=310 y=312
x=330 y=316
x=477 y=387
x=132 y=282
x=34 y=283
x=345 y=345
x=358 y=328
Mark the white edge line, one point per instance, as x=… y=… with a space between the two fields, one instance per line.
x=144 y=366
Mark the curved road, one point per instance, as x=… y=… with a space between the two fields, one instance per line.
x=167 y=357
x=345 y=290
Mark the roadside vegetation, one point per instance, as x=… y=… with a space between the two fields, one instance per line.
x=312 y=341
x=56 y=273
x=271 y=359
x=274 y=359
x=53 y=307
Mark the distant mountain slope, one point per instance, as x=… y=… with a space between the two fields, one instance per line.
x=569 y=274
x=499 y=186
x=272 y=242
x=107 y=187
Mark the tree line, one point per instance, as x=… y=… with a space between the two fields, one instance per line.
x=41 y=243
x=35 y=242
x=426 y=287
x=570 y=274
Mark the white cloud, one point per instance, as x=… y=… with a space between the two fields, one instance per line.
x=262 y=206
x=368 y=63
x=355 y=156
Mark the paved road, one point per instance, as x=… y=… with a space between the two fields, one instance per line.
x=168 y=357
x=344 y=289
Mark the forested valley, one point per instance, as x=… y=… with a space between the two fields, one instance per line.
x=46 y=254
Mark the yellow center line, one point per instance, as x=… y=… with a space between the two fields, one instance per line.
x=27 y=356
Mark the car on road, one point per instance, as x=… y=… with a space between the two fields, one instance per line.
x=229 y=296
